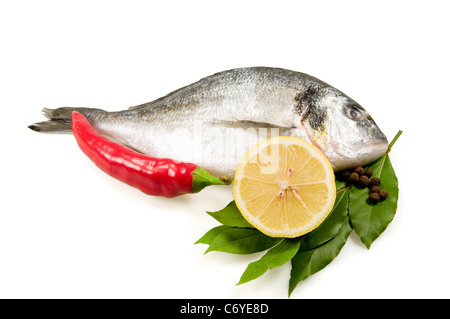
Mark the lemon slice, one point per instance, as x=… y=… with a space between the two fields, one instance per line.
x=284 y=187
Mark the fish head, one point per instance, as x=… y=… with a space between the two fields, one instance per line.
x=342 y=129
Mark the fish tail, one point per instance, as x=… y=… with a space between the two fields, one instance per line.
x=60 y=119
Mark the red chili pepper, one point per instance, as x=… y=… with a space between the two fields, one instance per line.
x=153 y=176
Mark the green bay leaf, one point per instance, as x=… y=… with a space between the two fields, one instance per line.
x=242 y=241
x=339 y=184
x=307 y=263
x=369 y=220
x=211 y=234
x=330 y=226
x=276 y=256
x=230 y=216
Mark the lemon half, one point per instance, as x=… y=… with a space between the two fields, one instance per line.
x=284 y=187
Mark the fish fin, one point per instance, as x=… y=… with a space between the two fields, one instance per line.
x=51 y=127
x=60 y=119
x=304 y=113
x=118 y=141
x=137 y=107
x=245 y=124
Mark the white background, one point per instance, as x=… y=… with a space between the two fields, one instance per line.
x=67 y=230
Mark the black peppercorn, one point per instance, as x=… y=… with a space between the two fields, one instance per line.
x=359 y=170
x=383 y=195
x=343 y=175
x=374 y=198
x=353 y=178
x=364 y=181
x=368 y=172
x=375 y=181
x=375 y=189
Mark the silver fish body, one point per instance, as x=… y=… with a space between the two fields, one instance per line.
x=214 y=121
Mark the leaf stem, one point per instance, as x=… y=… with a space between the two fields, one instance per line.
x=393 y=141
x=340 y=190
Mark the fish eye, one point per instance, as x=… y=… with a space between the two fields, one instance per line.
x=353 y=113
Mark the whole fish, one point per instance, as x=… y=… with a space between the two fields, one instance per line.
x=213 y=122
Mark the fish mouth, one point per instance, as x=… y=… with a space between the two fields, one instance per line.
x=374 y=149
x=369 y=151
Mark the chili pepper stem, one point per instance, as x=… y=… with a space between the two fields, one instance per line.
x=226 y=180
x=201 y=179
